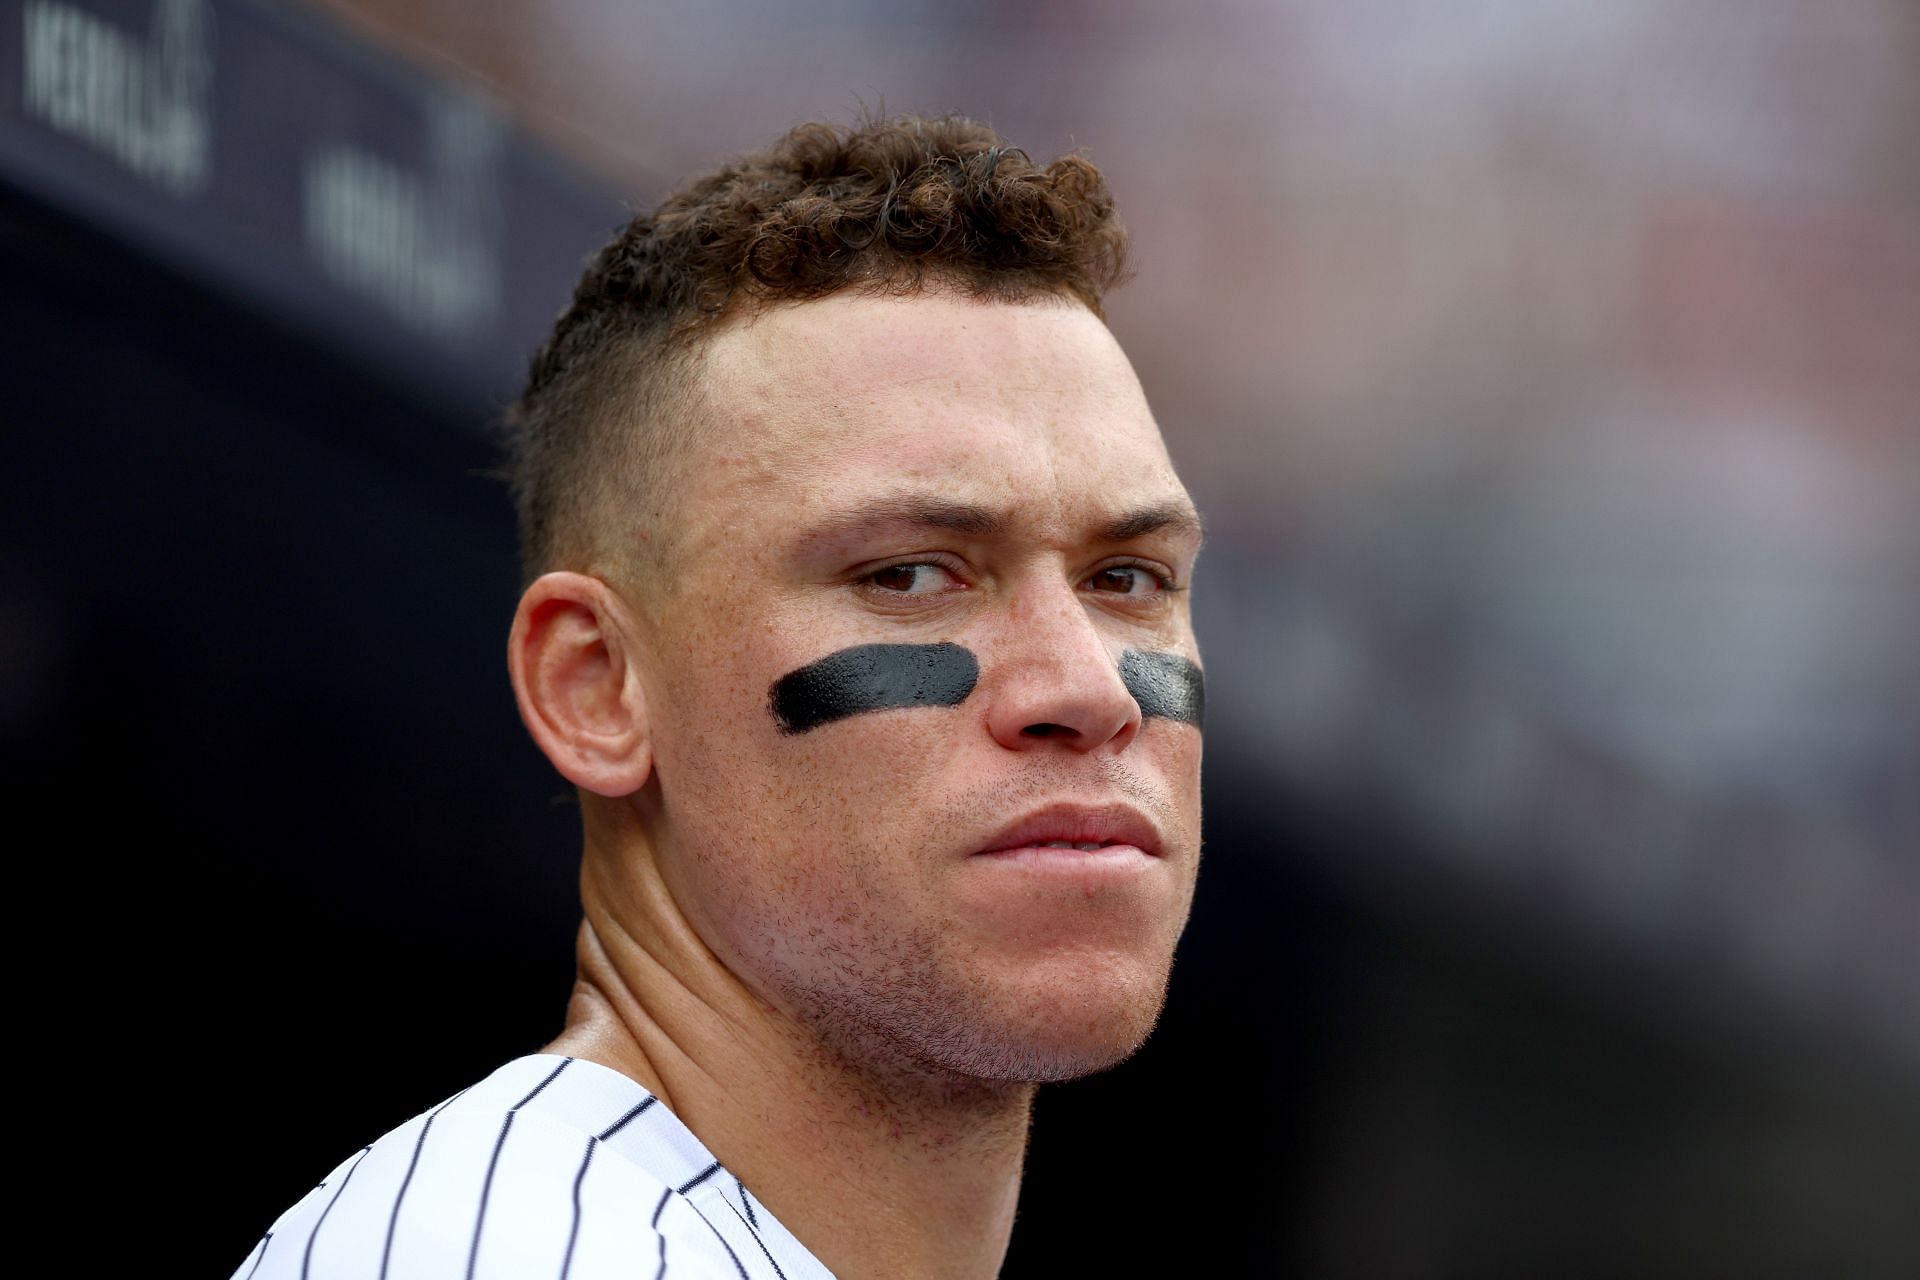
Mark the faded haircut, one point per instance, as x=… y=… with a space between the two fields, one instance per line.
x=889 y=206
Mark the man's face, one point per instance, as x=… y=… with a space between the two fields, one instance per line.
x=917 y=472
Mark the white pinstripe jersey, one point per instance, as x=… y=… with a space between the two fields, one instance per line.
x=550 y=1167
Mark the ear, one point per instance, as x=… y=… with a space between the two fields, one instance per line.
x=571 y=658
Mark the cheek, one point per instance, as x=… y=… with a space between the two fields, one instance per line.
x=777 y=830
x=809 y=870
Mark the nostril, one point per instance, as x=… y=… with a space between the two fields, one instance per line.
x=1045 y=730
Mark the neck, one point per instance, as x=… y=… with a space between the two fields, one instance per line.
x=880 y=1170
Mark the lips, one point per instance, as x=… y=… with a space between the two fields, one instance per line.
x=1080 y=827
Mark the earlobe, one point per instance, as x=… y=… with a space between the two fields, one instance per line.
x=571 y=658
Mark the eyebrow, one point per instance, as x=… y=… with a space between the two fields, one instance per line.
x=929 y=512
x=1177 y=517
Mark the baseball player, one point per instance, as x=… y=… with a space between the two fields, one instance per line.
x=857 y=614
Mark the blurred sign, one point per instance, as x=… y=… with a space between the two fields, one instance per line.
x=257 y=152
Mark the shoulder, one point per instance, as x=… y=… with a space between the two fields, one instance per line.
x=531 y=1172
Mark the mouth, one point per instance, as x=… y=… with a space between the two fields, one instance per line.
x=1076 y=830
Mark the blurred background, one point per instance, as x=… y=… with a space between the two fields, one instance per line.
x=1549 y=375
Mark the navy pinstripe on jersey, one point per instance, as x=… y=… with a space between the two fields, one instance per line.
x=551 y=1166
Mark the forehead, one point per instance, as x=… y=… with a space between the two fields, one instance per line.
x=991 y=403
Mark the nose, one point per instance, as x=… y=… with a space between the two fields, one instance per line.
x=1052 y=680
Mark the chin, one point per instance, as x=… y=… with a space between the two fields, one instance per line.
x=921 y=1006
x=1049 y=1061
x=1037 y=1032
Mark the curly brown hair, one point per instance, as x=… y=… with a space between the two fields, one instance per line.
x=886 y=206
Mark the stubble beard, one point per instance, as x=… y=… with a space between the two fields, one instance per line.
x=908 y=1005
x=922 y=1019
x=898 y=1008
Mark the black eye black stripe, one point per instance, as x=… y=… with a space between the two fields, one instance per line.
x=873 y=677
x=882 y=677
x=1165 y=685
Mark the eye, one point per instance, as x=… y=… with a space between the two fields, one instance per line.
x=916 y=578
x=1127 y=580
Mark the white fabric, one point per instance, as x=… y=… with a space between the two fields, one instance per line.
x=485 y=1187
